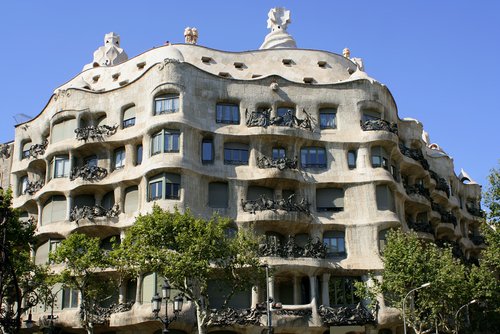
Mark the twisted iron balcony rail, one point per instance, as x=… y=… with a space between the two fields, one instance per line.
x=379 y=125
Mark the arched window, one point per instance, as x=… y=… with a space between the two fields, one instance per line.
x=25 y=150
x=164 y=186
x=385 y=198
x=63 y=130
x=128 y=117
x=329 y=199
x=165 y=141
x=131 y=199
x=380 y=157
x=54 y=210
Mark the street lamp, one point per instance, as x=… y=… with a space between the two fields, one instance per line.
x=156 y=305
x=456 y=314
x=425 y=285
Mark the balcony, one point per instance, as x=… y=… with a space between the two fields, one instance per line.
x=415 y=154
x=290 y=249
x=37 y=150
x=88 y=173
x=424 y=227
x=95 y=132
x=446 y=216
x=228 y=317
x=441 y=183
x=262 y=118
x=92 y=212
x=4 y=151
x=475 y=210
x=346 y=315
x=33 y=186
x=477 y=240
x=418 y=189
x=379 y=125
x=280 y=163
x=285 y=204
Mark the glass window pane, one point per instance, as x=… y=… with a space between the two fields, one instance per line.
x=207 y=151
x=138 y=159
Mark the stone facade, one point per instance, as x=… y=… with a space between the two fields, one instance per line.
x=332 y=164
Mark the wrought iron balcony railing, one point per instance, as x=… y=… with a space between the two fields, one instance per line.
x=418 y=189
x=415 y=154
x=280 y=163
x=33 y=186
x=95 y=132
x=290 y=249
x=262 y=118
x=286 y=204
x=4 y=151
x=421 y=227
x=37 y=150
x=346 y=315
x=441 y=183
x=91 y=212
x=229 y=317
x=379 y=125
x=88 y=173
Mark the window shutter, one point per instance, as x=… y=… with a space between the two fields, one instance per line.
x=254 y=192
x=218 y=195
x=131 y=199
x=42 y=253
x=129 y=113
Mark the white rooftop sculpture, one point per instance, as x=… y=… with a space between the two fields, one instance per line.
x=110 y=54
x=278 y=21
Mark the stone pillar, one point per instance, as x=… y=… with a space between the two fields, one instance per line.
x=121 y=296
x=325 y=295
x=130 y=155
x=40 y=211
x=312 y=283
x=138 y=291
x=363 y=159
x=296 y=291
x=69 y=206
x=271 y=288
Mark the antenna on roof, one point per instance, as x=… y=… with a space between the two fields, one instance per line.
x=21 y=118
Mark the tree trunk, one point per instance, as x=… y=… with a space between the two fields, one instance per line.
x=200 y=319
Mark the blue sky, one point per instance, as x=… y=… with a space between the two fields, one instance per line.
x=440 y=59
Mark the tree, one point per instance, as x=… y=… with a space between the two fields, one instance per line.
x=83 y=261
x=190 y=251
x=492 y=198
x=18 y=275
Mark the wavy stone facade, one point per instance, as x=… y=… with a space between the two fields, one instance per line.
x=171 y=126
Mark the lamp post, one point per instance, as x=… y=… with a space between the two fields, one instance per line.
x=456 y=314
x=156 y=305
x=425 y=285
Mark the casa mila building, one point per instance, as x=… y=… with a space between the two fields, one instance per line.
x=302 y=146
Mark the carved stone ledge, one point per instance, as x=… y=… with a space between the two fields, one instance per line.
x=345 y=315
x=262 y=118
x=95 y=132
x=88 y=173
x=91 y=212
x=37 y=150
x=230 y=317
x=4 y=151
x=415 y=154
x=379 y=125
x=313 y=249
x=33 y=186
x=285 y=204
x=281 y=163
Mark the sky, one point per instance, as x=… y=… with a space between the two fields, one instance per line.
x=439 y=59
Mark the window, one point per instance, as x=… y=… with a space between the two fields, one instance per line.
x=207 y=151
x=90 y=161
x=341 y=291
x=328 y=118
x=165 y=186
x=371 y=115
x=227 y=113
x=25 y=153
x=218 y=195
x=283 y=111
x=166 y=141
x=138 y=155
x=54 y=210
x=382 y=240
x=131 y=199
x=60 y=166
x=119 y=158
x=329 y=199
x=379 y=157
x=43 y=251
x=351 y=159
x=23 y=185
x=70 y=298
x=385 y=199
x=166 y=104
x=128 y=117
x=313 y=157
x=108 y=200
x=235 y=154
x=256 y=192
x=334 y=242
x=63 y=130
x=279 y=153
x=395 y=173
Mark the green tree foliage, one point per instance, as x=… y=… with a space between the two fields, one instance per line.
x=190 y=251
x=83 y=261
x=17 y=272
x=492 y=197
